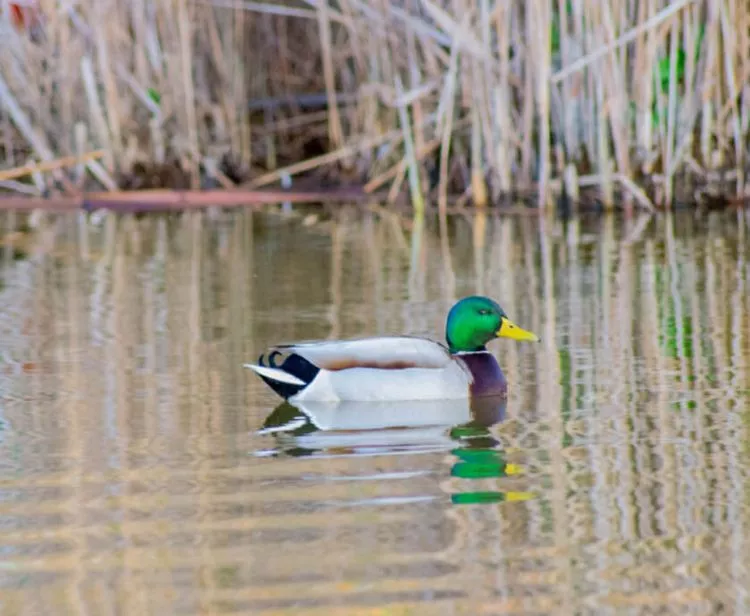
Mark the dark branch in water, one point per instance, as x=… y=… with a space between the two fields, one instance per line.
x=176 y=200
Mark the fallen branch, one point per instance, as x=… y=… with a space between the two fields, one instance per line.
x=51 y=165
x=175 y=200
x=638 y=194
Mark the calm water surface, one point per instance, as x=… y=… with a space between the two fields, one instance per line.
x=144 y=471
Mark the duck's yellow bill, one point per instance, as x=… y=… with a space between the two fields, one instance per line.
x=508 y=329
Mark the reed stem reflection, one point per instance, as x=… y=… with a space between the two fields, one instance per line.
x=143 y=470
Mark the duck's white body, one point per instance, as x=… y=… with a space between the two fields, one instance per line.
x=380 y=369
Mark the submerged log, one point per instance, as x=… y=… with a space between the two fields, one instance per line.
x=177 y=200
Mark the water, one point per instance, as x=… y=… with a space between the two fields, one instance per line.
x=144 y=471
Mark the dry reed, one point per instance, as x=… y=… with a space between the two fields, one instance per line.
x=635 y=96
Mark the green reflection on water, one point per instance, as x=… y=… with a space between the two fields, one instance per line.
x=489 y=498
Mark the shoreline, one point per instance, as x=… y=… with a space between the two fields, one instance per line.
x=177 y=200
x=74 y=183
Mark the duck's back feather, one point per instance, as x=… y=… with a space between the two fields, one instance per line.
x=384 y=353
x=382 y=368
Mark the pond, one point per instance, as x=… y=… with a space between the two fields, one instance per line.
x=143 y=470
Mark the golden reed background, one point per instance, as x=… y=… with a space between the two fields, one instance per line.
x=494 y=95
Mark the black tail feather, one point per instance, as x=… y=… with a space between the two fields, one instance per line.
x=294 y=364
x=285 y=390
x=298 y=366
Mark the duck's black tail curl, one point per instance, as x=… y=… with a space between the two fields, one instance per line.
x=294 y=365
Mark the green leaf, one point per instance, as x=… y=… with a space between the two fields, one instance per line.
x=482 y=498
x=555 y=36
x=679 y=69
x=154 y=95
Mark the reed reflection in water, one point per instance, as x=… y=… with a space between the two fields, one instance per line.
x=144 y=471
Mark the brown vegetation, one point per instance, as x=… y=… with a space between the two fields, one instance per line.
x=643 y=98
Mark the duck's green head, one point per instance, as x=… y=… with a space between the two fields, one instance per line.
x=474 y=321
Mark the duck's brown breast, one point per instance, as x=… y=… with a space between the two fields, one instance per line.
x=489 y=379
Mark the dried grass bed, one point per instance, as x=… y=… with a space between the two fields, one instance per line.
x=636 y=101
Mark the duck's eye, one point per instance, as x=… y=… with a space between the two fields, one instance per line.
x=484 y=311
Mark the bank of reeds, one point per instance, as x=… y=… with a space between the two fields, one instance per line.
x=641 y=98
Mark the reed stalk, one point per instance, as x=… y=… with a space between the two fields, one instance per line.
x=417 y=197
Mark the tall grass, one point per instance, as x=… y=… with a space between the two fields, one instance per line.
x=625 y=96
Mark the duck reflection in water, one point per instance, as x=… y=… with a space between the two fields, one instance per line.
x=306 y=428
x=459 y=427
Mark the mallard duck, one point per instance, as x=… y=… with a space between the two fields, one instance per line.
x=401 y=368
